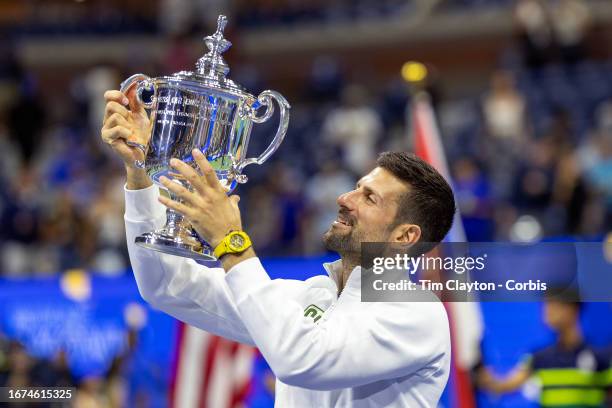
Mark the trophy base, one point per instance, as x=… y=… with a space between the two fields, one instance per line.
x=168 y=244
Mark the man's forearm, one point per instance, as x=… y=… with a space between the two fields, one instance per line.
x=137 y=179
x=228 y=261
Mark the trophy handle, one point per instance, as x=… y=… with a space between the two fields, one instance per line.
x=265 y=99
x=142 y=82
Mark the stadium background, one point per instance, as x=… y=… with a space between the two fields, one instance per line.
x=521 y=90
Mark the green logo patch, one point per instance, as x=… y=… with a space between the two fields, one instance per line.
x=313 y=311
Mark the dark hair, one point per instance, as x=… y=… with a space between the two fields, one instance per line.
x=429 y=202
x=567 y=295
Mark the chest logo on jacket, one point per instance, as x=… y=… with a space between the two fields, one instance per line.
x=313 y=311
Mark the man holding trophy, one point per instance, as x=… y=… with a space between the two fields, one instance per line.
x=346 y=353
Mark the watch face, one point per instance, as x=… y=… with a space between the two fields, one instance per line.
x=236 y=241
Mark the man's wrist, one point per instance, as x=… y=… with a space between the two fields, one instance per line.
x=229 y=260
x=137 y=179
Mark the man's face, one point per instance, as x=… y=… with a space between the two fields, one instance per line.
x=366 y=213
x=559 y=315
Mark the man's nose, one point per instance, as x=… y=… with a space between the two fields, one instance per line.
x=345 y=200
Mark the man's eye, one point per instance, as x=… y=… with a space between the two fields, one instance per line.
x=371 y=199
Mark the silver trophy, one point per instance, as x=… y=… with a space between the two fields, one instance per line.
x=207 y=111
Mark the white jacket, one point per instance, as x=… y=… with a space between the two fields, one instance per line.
x=325 y=350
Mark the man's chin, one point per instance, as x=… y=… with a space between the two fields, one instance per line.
x=335 y=240
x=336 y=232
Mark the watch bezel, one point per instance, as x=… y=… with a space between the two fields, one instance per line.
x=231 y=246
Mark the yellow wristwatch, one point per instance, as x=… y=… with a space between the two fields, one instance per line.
x=235 y=242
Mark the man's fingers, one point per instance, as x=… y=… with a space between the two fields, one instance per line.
x=175 y=205
x=179 y=190
x=116 y=120
x=117 y=132
x=189 y=174
x=117 y=96
x=134 y=105
x=235 y=199
x=113 y=107
x=128 y=100
x=209 y=173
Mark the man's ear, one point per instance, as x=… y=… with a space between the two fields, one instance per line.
x=406 y=234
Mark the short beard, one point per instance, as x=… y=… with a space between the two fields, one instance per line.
x=348 y=246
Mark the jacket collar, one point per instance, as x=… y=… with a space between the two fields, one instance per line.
x=334 y=270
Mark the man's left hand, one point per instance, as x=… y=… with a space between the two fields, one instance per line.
x=207 y=207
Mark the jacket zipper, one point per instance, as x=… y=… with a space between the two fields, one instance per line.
x=333 y=306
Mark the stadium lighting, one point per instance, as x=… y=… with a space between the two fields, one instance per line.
x=413 y=71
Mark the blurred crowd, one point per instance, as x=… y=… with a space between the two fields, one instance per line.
x=57 y=17
x=87 y=17
x=530 y=153
x=109 y=389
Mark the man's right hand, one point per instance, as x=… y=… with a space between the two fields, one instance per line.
x=125 y=119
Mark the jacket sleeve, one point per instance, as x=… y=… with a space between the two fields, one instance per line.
x=387 y=340
x=193 y=293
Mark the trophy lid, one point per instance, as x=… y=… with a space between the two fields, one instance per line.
x=211 y=69
x=212 y=65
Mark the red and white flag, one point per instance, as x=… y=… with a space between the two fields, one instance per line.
x=209 y=371
x=465 y=317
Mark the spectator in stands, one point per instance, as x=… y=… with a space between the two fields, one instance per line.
x=4 y=346
x=11 y=162
x=276 y=206
x=596 y=161
x=108 y=234
x=355 y=127
x=567 y=371
x=95 y=81
x=589 y=207
x=504 y=109
x=116 y=381
x=91 y=393
x=567 y=190
x=52 y=373
x=570 y=22
x=20 y=221
x=507 y=131
x=26 y=118
x=547 y=181
x=263 y=218
x=535 y=32
x=18 y=372
x=474 y=200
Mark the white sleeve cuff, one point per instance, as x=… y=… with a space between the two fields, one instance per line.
x=246 y=276
x=142 y=205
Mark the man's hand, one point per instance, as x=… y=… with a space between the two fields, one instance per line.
x=211 y=212
x=487 y=381
x=121 y=125
x=484 y=379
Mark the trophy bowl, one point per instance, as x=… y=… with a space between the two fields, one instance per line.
x=201 y=110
